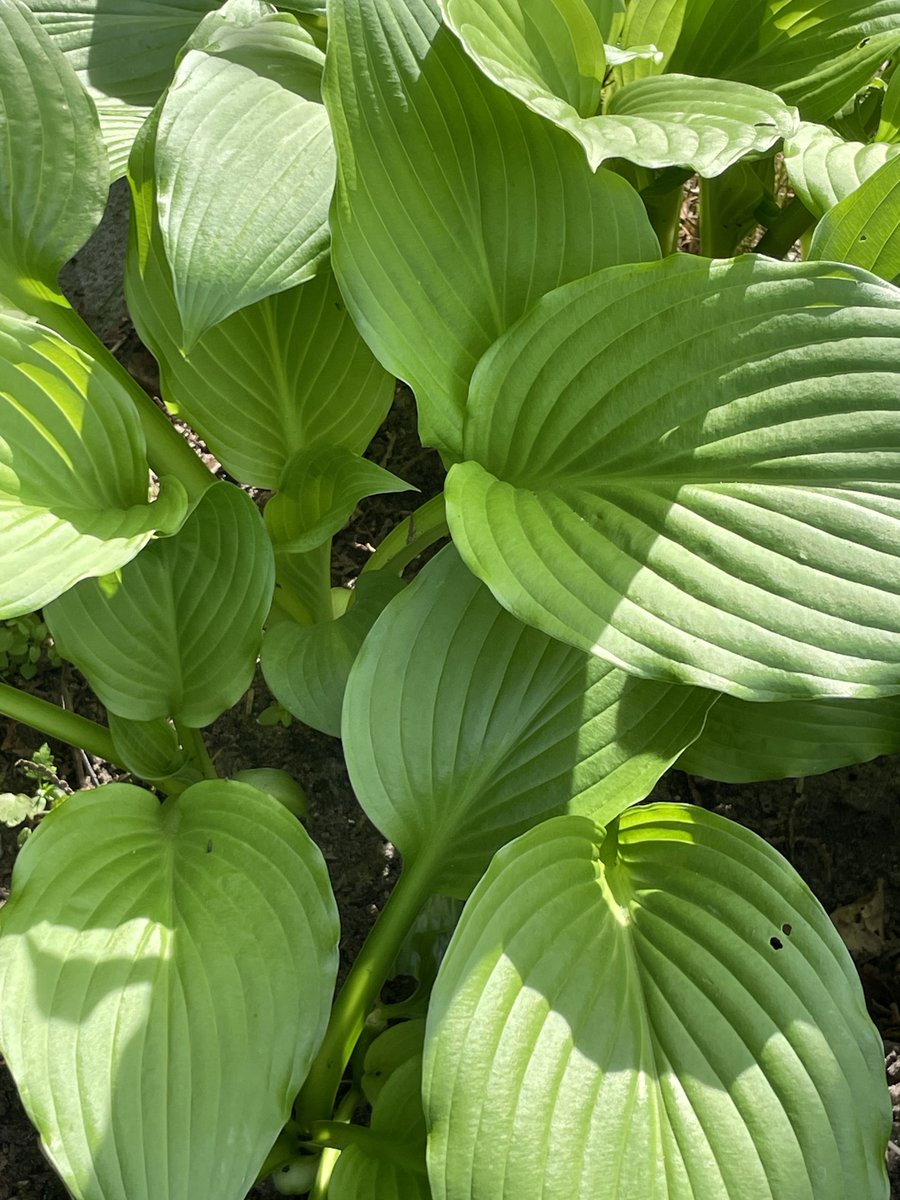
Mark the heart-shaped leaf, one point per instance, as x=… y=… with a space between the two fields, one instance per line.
x=690 y=468
x=864 y=228
x=436 y=272
x=462 y=726
x=177 y=632
x=74 y=476
x=166 y=973
x=661 y=1010
x=824 y=169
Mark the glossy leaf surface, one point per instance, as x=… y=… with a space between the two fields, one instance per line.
x=864 y=229
x=166 y=974
x=690 y=469
x=667 y=1009
x=177 y=632
x=462 y=726
x=434 y=257
x=824 y=169
x=74 y=477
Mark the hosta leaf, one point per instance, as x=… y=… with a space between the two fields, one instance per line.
x=55 y=178
x=555 y=63
x=244 y=171
x=742 y=742
x=690 y=469
x=306 y=666
x=824 y=169
x=433 y=275
x=655 y=22
x=814 y=53
x=152 y=750
x=73 y=470
x=176 y=633
x=889 y=124
x=319 y=489
x=462 y=726
x=287 y=372
x=864 y=229
x=666 y=1009
x=166 y=974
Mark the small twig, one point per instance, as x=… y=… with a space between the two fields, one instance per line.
x=37 y=768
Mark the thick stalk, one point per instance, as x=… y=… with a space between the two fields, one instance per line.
x=57 y=722
x=360 y=992
x=192 y=740
x=338 y=1136
x=793 y=222
x=665 y=216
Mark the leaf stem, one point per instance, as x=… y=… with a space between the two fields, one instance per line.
x=407 y=540
x=58 y=723
x=339 y=1135
x=360 y=991
x=793 y=222
x=192 y=740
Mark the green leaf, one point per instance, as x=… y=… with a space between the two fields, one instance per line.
x=654 y=22
x=166 y=974
x=434 y=258
x=287 y=372
x=177 y=632
x=16 y=807
x=390 y=1165
x=319 y=491
x=824 y=169
x=55 y=179
x=864 y=228
x=814 y=53
x=462 y=727
x=306 y=666
x=743 y=742
x=889 y=124
x=244 y=171
x=554 y=61
x=666 y=1009
x=689 y=468
x=73 y=470
x=152 y=750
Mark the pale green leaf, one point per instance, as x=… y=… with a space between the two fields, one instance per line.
x=434 y=258
x=55 y=177
x=662 y=1011
x=742 y=742
x=824 y=169
x=318 y=491
x=306 y=666
x=166 y=974
x=74 y=477
x=657 y=22
x=16 y=807
x=177 y=632
x=889 y=124
x=864 y=228
x=152 y=750
x=287 y=372
x=244 y=172
x=462 y=726
x=690 y=469
x=816 y=54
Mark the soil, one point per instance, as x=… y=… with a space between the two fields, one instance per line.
x=840 y=830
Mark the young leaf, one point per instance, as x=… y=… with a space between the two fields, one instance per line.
x=689 y=468
x=435 y=273
x=664 y=1010
x=824 y=169
x=462 y=726
x=73 y=470
x=743 y=742
x=151 y=750
x=287 y=372
x=244 y=172
x=55 y=178
x=653 y=22
x=176 y=633
x=166 y=973
x=864 y=228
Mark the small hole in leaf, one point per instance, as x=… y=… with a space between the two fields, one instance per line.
x=787 y=929
x=863 y=237
x=863 y=43
x=776 y=943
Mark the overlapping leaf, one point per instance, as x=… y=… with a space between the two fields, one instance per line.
x=462 y=726
x=456 y=208
x=667 y=1010
x=244 y=172
x=824 y=169
x=690 y=469
x=73 y=470
x=176 y=633
x=166 y=974
x=864 y=228
x=287 y=372
x=55 y=176
x=742 y=742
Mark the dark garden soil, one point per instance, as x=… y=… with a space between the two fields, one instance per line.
x=841 y=830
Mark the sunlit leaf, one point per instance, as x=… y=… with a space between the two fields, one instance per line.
x=864 y=228
x=824 y=169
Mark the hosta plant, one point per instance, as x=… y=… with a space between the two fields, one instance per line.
x=673 y=509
